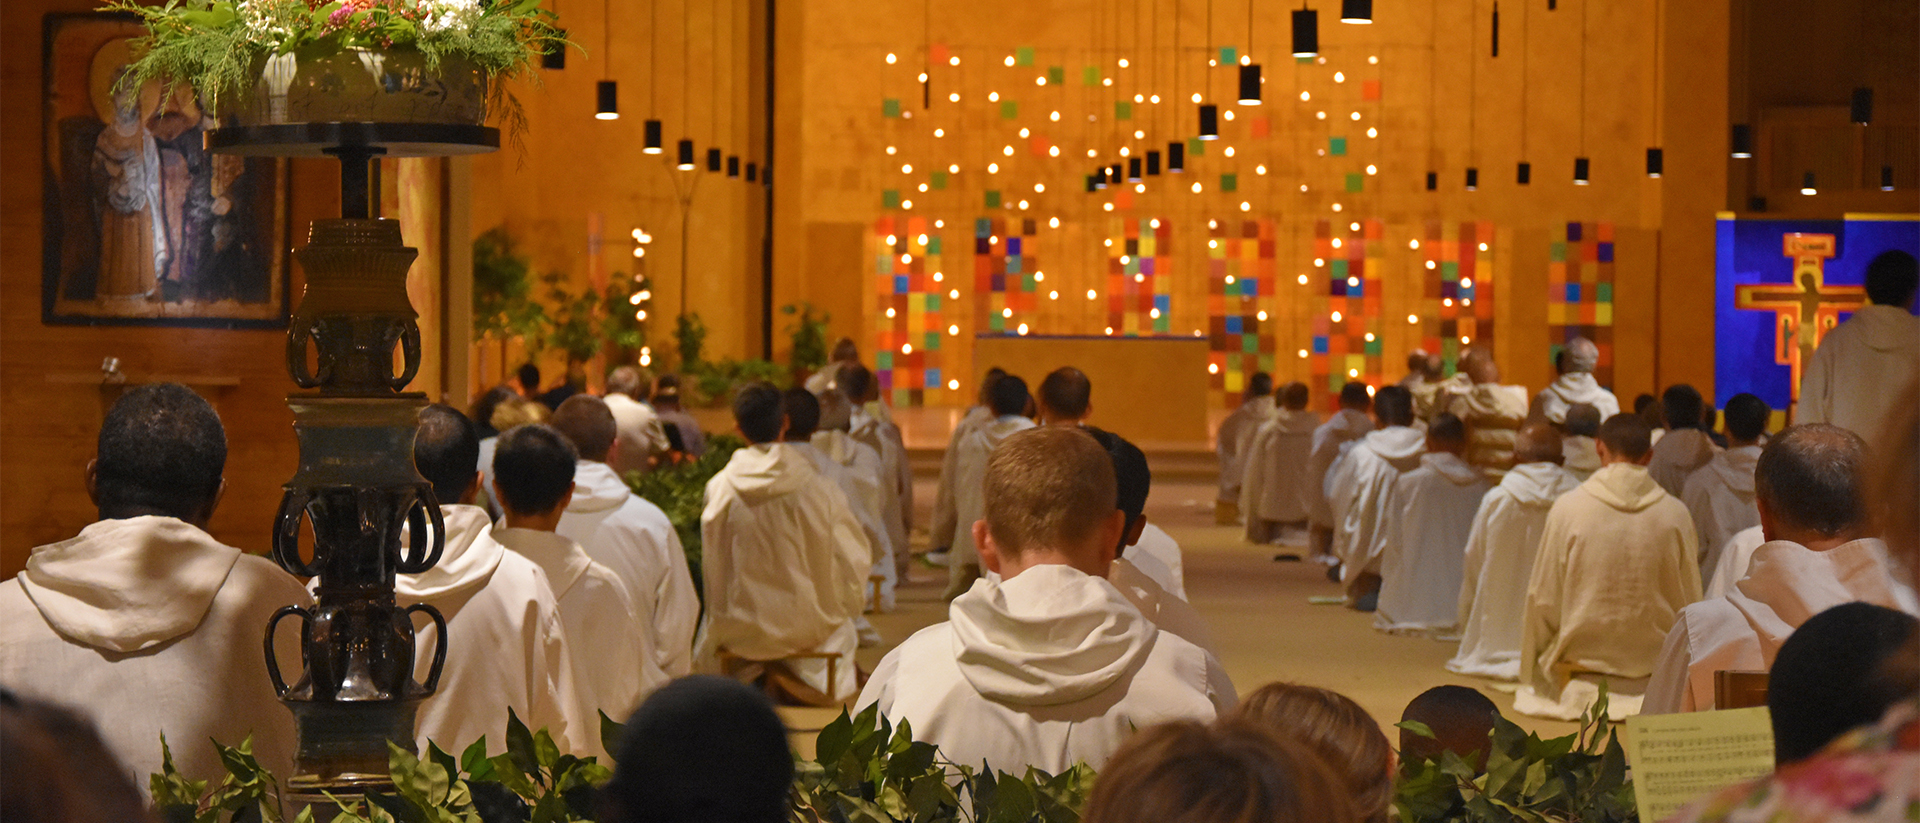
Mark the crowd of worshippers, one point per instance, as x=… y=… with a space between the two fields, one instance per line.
x=1563 y=542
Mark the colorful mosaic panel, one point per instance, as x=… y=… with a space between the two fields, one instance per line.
x=1240 y=272
x=1004 y=291
x=1346 y=335
x=1456 y=300
x=1139 y=297
x=911 y=341
x=1580 y=291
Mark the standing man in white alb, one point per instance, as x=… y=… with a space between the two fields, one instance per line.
x=641 y=437
x=1818 y=555
x=1853 y=377
x=628 y=534
x=1720 y=494
x=1575 y=384
x=1501 y=551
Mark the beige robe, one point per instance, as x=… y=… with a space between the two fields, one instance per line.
x=1617 y=563
x=1676 y=457
x=1742 y=631
x=1362 y=493
x=1501 y=550
x=942 y=525
x=1732 y=561
x=896 y=480
x=1582 y=456
x=1574 y=387
x=1427 y=529
x=1232 y=439
x=1275 y=484
x=633 y=537
x=1720 y=497
x=856 y=468
x=1854 y=380
x=1493 y=414
x=1331 y=442
x=969 y=477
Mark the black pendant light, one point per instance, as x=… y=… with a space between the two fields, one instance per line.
x=1581 y=169
x=753 y=172
x=1209 y=122
x=1250 y=84
x=555 y=57
x=684 y=157
x=653 y=144
x=1886 y=178
x=1096 y=182
x=1116 y=174
x=1306 y=33
x=1861 y=112
x=1433 y=181
x=733 y=166
x=1806 y=185
x=1523 y=174
x=713 y=160
x=1356 y=11
x=607 y=93
x=1177 y=157
x=1473 y=179
x=1133 y=169
x=1742 y=141
x=1656 y=163
x=1153 y=163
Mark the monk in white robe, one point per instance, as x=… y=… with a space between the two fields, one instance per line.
x=143 y=621
x=641 y=436
x=1734 y=556
x=1500 y=555
x=1720 y=494
x=1009 y=402
x=862 y=475
x=1426 y=531
x=1618 y=561
x=1817 y=556
x=868 y=424
x=1493 y=412
x=942 y=525
x=1849 y=380
x=1276 y=489
x=1232 y=439
x=1051 y=665
x=1685 y=447
x=1575 y=384
x=785 y=560
x=630 y=535
x=613 y=659
x=1579 y=453
x=1330 y=443
x=506 y=644
x=1361 y=493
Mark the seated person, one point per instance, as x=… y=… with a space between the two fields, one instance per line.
x=1686 y=446
x=1461 y=720
x=1336 y=728
x=1008 y=401
x=533 y=477
x=1842 y=670
x=1720 y=494
x=1238 y=771
x=145 y=599
x=1050 y=665
x=1141 y=576
x=1492 y=412
x=701 y=748
x=1233 y=437
x=784 y=564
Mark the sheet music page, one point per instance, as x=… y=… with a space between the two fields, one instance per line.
x=1679 y=758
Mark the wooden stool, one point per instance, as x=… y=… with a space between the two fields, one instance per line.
x=1739 y=689
x=876 y=581
x=778 y=681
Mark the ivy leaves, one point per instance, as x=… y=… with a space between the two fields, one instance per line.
x=1573 y=779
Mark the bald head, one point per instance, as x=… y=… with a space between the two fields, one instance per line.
x=1581 y=355
x=1538 y=442
x=1479 y=366
x=1808 y=479
x=629 y=381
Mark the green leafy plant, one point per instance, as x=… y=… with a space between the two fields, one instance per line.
x=808 y=333
x=246 y=792
x=503 y=304
x=690 y=334
x=1580 y=778
x=680 y=490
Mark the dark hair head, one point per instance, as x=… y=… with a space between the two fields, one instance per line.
x=855 y=381
x=1627 y=435
x=59 y=770
x=1335 y=727
x=482 y=411
x=1809 y=476
x=1417 y=361
x=701 y=749
x=533 y=468
x=844 y=350
x=1583 y=420
x=1132 y=479
x=666 y=391
x=1230 y=772
x=629 y=381
x=1356 y=397
x=529 y=376
x=1461 y=719
x=1067 y=392
x=1839 y=670
x=588 y=424
x=1393 y=405
x=803 y=413
x=1294 y=396
x=1644 y=401
x=1892 y=276
x=1538 y=441
x=162 y=450
x=757 y=410
x=1683 y=406
x=1447 y=430
x=992 y=376
x=1008 y=396
x=1747 y=417
x=1259 y=385
x=446 y=450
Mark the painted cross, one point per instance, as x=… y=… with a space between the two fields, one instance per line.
x=1805 y=310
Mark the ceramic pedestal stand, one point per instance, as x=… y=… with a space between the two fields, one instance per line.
x=356 y=484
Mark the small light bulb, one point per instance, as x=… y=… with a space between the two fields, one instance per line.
x=1024 y=133
x=1464 y=340
x=1356 y=115
x=1336 y=317
x=1373 y=60
x=1373 y=169
x=1369 y=337
x=1008 y=151
x=892 y=239
x=1196 y=187
x=937 y=277
x=1053 y=222
x=923 y=77
x=889 y=312
x=923 y=187
x=953 y=294
x=954 y=97
x=993 y=168
x=906 y=204
x=1303 y=188
x=1228 y=114
x=906 y=168
x=1303 y=354
x=1373 y=132
x=1302 y=279
x=1126 y=151
x=1305 y=96
x=1140 y=278
x=1106 y=81
x=1106 y=207
x=939 y=132
x=1336 y=242
x=1246 y=206
x=1055 y=117
x=1090 y=294
x=906 y=258
x=1155 y=222
x=1413 y=319
x=1006 y=312
x=1339 y=77
x=1153 y=98
x=1139 y=134
x=1139 y=188
x=1139 y=98
x=1466 y=282
x=1154 y=313
x=922 y=239
x=1354 y=226
x=1319 y=115
x=1196 y=97
x=1093 y=153
x=1246 y=59
x=891 y=150
x=891 y=58
x=1336 y=207
x=1053 y=151
x=1483 y=247
x=1318 y=262
x=1413 y=244
x=954 y=60
x=953 y=384
x=1053 y=295
x=1260 y=169
x=1023 y=205
x=953 y=168
x=1353 y=372
x=1353 y=282
x=1431 y=266
x=906 y=348
x=1262 y=315
x=1123 y=62
x=1213 y=244
x=1229 y=279
x=953 y=330
x=993 y=97
x=1009 y=61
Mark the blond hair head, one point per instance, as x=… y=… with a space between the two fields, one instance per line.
x=1048 y=488
x=1336 y=728
x=1230 y=772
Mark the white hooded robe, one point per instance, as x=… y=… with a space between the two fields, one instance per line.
x=1569 y=389
x=150 y=626
x=942 y=522
x=1275 y=485
x=1618 y=561
x=784 y=563
x=1232 y=439
x=1720 y=497
x=1786 y=584
x=859 y=471
x=1499 y=561
x=1676 y=457
x=896 y=475
x=1732 y=561
x=630 y=535
x=1331 y=441
x=1581 y=456
x=969 y=475
x=1157 y=555
x=1362 y=492
x=1853 y=378
x=611 y=655
x=1047 y=669
x=1427 y=528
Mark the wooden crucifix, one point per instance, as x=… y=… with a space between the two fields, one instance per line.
x=1804 y=310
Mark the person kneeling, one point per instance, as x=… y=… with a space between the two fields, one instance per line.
x=1050 y=665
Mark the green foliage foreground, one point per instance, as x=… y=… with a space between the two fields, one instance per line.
x=1580 y=778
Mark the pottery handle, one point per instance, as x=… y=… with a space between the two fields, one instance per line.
x=423 y=519
x=286 y=535
x=409 y=354
x=439 y=645
x=298 y=334
x=273 y=661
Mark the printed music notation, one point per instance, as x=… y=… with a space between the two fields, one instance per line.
x=1679 y=758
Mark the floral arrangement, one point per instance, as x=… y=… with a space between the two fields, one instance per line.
x=220 y=46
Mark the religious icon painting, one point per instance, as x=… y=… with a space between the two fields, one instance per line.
x=1781 y=285
x=1240 y=335
x=1456 y=306
x=144 y=226
x=910 y=310
x=1580 y=291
